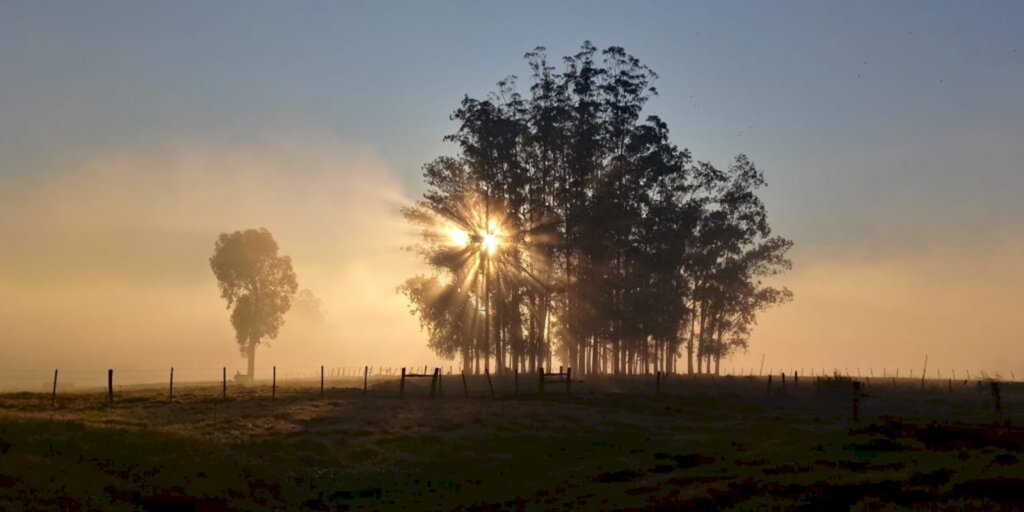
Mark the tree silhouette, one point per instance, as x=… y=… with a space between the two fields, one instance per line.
x=259 y=284
x=616 y=248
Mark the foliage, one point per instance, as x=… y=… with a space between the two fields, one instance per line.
x=617 y=249
x=257 y=281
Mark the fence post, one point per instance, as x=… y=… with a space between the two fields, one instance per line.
x=110 y=385
x=366 y=377
x=657 y=383
x=170 y=389
x=433 y=383
x=796 y=378
x=783 y=383
x=489 y=383
x=224 y=389
x=540 y=383
x=401 y=387
x=568 y=380
x=768 y=392
x=273 y=385
x=53 y=398
x=440 y=380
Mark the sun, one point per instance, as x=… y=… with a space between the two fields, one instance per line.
x=458 y=237
x=490 y=241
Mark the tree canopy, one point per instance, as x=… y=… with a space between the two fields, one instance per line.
x=257 y=282
x=569 y=225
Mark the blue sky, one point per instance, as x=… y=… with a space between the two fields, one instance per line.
x=848 y=106
x=887 y=129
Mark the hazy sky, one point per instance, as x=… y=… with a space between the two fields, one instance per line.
x=891 y=134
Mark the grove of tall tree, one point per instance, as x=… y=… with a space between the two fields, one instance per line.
x=569 y=226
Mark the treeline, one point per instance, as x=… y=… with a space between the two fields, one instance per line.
x=570 y=227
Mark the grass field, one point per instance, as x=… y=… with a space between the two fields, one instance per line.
x=613 y=444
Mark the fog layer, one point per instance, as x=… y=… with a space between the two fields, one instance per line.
x=105 y=261
x=104 y=264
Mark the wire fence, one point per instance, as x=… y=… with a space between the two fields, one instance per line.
x=14 y=380
x=36 y=380
x=942 y=399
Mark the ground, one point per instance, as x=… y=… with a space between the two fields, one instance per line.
x=702 y=443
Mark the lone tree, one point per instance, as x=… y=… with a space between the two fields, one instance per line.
x=258 y=282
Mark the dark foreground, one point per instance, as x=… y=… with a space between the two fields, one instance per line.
x=613 y=444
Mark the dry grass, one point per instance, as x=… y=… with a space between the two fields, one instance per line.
x=727 y=443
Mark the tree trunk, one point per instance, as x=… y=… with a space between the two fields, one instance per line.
x=252 y=358
x=689 y=342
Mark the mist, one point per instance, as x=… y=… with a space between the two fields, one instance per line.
x=105 y=265
x=859 y=309
x=105 y=261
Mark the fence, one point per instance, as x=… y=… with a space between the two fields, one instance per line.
x=39 y=380
x=862 y=393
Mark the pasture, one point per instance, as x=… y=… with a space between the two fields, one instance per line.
x=613 y=443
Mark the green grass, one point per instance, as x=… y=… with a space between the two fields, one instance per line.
x=731 y=443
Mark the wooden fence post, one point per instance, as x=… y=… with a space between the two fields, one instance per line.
x=540 y=383
x=768 y=392
x=657 y=383
x=401 y=387
x=53 y=398
x=273 y=385
x=224 y=389
x=440 y=381
x=783 y=383
x=110 y=385
x=433 y=383
x=568 y=380
x=170 y=389
x=366 y=378
x=924 y=371
x=489 y=383
x=465 y=388
x=796 y=378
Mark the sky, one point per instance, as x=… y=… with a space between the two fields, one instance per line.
x=132 y=133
